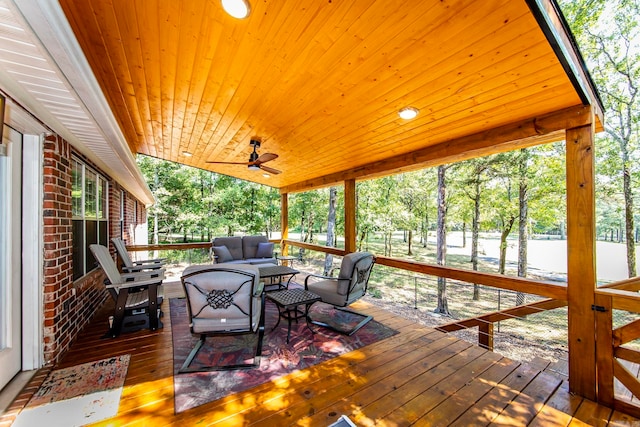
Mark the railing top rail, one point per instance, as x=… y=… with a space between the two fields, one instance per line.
x=169 y=246
x=631 y=284
x=622 y=299
x=546 y=289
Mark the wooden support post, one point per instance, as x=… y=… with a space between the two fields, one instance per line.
x=284 y=222
x=581 y=268
x=350 y=215
x=485 y=335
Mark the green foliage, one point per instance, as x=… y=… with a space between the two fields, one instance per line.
x=608 y=33
x=198 y=204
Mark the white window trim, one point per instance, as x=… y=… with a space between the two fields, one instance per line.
x=83 y=217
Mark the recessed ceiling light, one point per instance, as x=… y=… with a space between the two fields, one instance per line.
x=187 y=154
x=266 y=175
x=408 y=113
x=237 y=8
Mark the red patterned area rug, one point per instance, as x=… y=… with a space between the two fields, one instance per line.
x=278 y=358
x=78 y=395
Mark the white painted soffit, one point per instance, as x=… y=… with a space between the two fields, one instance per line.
x=43 y=68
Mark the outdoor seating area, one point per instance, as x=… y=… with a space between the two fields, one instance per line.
x=229 y=299
x=418 y=375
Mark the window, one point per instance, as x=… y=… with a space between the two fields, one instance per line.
x=89 y=211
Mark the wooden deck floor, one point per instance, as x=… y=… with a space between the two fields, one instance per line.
x=417 y=377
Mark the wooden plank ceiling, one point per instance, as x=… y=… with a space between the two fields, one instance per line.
x=319 y=82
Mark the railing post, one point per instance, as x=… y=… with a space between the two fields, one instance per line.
x=604 y=349
x=485 y=335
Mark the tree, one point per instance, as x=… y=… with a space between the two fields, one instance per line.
x=385 y=207
x=331 y=224
x=195 y=202
x=441 y=239
x=503 y=204
x=523 y=217
x=305 y=208
x=409 y=195
x=475 y=173
x=609 y=35
x=365 y=215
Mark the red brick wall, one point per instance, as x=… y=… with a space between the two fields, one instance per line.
x=68 y=305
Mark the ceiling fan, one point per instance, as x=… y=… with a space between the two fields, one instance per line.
x=255 y=162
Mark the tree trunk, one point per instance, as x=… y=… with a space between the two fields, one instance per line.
x=475 y=234
x=363 y=236
x=425 y=243
x=441 y=238
x=387 y=242
x=331 y=225
x=155 y=228
x=628 y=211
x=523 y=230
x=464 y=234
x=506 y=229
x=156 y=182
x=409 y=239
x=310 y=227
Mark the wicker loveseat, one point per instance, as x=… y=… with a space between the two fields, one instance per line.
x=243 y=250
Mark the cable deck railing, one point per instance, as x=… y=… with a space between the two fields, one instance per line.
x=522 y=319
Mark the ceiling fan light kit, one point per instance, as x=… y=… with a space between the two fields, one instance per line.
x=255 y=161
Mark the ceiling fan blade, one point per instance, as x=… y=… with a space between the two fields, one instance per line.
x=228 y=163
x=266 y=157
x=270 y=170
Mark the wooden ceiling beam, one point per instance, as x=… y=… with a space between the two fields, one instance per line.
x=526 y=133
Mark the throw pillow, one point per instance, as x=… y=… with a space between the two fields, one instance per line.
x=222 y=253
x=265 y=250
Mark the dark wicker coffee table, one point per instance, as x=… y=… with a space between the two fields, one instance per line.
x=278 y=272
x=289 y=303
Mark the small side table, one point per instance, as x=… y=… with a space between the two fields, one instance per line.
x=279 y=272
x=289 y=302
x=286 y=260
